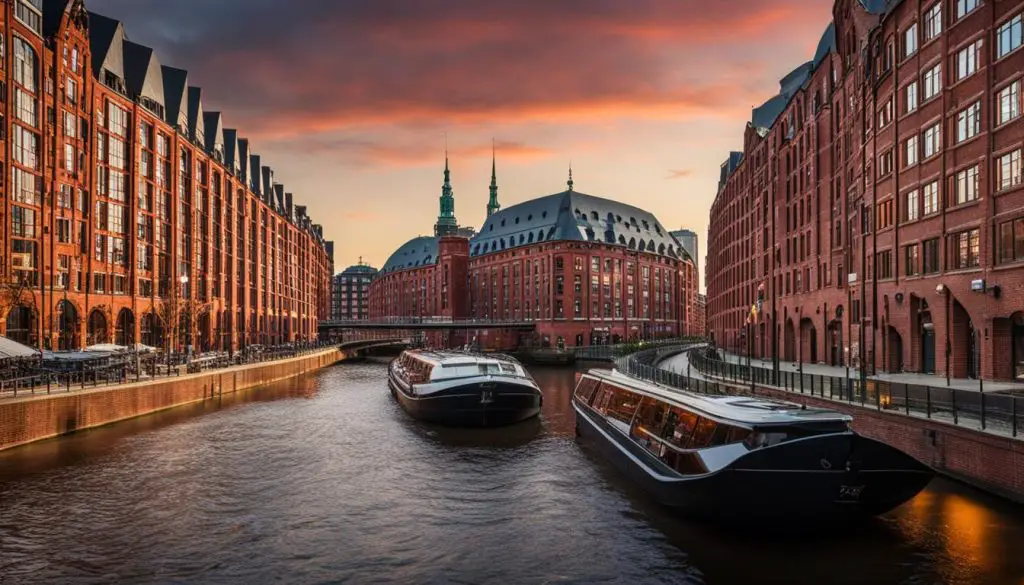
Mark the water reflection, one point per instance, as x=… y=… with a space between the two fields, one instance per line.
x=325 y=479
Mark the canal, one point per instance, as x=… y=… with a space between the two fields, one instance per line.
x=323 y=479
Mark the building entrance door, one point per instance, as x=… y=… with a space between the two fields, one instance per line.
x=928 y=350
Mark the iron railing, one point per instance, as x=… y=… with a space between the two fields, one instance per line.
x=614 y=351
x=121 y=368
x=993 y=411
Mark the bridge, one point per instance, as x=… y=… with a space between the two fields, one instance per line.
x=351 y=349
x=427 y=323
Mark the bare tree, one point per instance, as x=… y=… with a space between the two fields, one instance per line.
x=192 y=313
x=14 y=292
x=168 y=311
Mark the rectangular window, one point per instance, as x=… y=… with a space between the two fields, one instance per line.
x=26 y=147
x=885 y=114
x=930 y=254
x=25 y=107
x=966 y=185
x=965 y=248
x=912 y=260
x=930 y=198
x=1011 y=241
x=70 y=125
x=1009 y=100
x=1008 y=36
x=933 y=22
x=932 y=82
x=910 y=41
x=911 y=205
x=967 y=60
x=1009 y=168
x=30 y=14
x=968 y=122
x=883 y=264
x=932 y=141
x=965 y=7
x=910 y=97
x=69 y=158
x=23 y=222
x=885 y=163
x=910 y=151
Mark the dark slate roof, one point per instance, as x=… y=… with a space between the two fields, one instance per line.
x=105 y=36
x=268 y=183
x=142 y=74
x=196 y=127
x=255 y=180
x=415 y=253
x=765 y=116
x=53 y=13
x=244 y=159
x=175 y=82
x=826 y=45
x=230 y=137
x=214 y=131
x=360 y=269
x=572 y=215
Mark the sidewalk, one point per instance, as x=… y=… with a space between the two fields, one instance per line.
x=905 y=378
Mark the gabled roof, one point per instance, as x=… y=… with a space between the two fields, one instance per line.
x=175 y=82
x=196 y=125
x=416 y=253
x=214 y=131
x=278 y=202
x=105 y=40
x=255 y=179
x=230 y=138
x=244 y=159
x=142 y=73
x=572 y=215
x=268 y=183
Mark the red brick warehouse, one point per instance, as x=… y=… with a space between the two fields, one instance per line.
x=878 y=201
x=125 y=195
x=583 y=269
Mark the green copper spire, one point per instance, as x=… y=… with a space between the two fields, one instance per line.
x=492 y=204
x=446 y=223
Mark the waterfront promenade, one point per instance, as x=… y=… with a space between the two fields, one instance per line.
x=967 y=384
x=31 y=417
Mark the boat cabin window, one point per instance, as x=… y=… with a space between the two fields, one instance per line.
x=768 y=436
x=507 y=368
x=586 y=388
x=489 y=369
x=616 y=403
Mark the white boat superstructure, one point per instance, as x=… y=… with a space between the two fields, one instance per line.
x=458 y=386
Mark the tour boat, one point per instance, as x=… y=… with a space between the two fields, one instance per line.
x=463 y=389
x=741 y=458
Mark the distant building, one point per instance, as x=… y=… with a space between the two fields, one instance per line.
x=700 y=317
x=688 y=240
x=585 y=270
x=350 y=294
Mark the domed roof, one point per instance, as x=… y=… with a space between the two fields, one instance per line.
x=572 y=215
x=416 y=253
x=360 y=269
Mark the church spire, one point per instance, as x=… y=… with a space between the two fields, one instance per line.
x=492 y=204
x=569 y=182
x=446 y=223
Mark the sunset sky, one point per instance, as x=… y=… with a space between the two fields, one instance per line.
x=349 y=101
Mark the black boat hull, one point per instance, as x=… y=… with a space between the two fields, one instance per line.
x=478 y=404
x=797 y=483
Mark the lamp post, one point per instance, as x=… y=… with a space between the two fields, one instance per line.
x=943 y=290
x=188 y=319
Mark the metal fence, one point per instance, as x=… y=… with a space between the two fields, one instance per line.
x=127 y=368
x=997 y=412
x=614 y=351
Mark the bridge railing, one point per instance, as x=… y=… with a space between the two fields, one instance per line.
x=614 y=351
x=995 y=412
x=412 y=321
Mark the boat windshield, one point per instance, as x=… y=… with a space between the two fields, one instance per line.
x=768 y=436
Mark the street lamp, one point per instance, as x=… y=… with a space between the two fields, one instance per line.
x=188 y=319
x=942 y=289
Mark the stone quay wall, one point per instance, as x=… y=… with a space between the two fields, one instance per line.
x=985 y=460
x=33 y=418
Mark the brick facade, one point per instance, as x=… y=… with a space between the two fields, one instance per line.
x=126 y=196
x=876 y=204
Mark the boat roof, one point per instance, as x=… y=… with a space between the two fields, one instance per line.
x=741 y=409
x=457 y=358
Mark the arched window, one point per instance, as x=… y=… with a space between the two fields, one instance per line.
x=622 y=240
x=26 y=65
x=661 y=249
x=632 y=243
x=590 y=234
x=522 y=239
x=540 y=236
x=594 y=216
x=643 y=245
x=530 y=238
